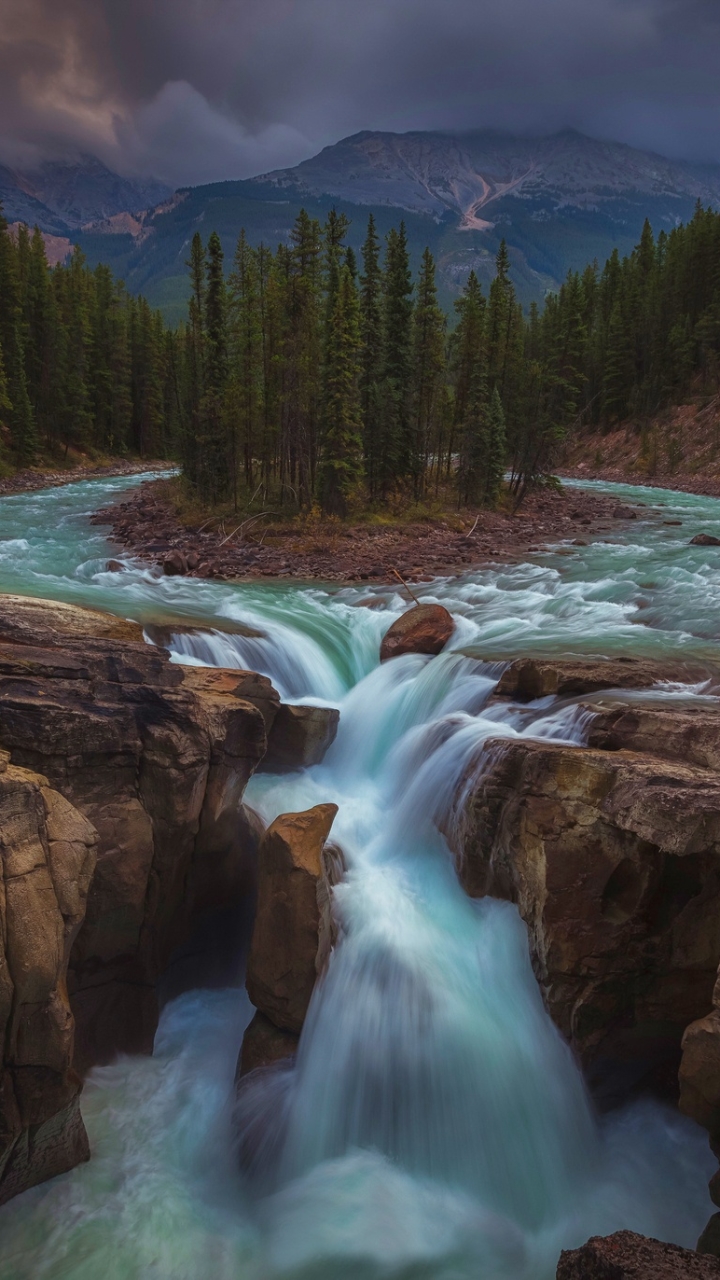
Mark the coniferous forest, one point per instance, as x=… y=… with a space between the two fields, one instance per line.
x=304 y=377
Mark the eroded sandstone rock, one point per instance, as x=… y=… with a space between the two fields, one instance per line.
x=157 y=759
x=265 y=1044
x=282 y=968
x=529 y=678
x=300 y=737
x=627 y=1256
x=424 y=629
x=47 y=858
x=688 y=734
x=614 y=862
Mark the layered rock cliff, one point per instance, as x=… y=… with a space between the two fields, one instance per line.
x=612 y=854
x=124 y=828
x=294 y=931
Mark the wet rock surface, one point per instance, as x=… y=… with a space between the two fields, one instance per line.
x=147 y=526
x=300 y=738
x=47 y=857
x=132 y=770
x=529 y=678
x=627 y=1256
x=426 y=628
x=286 y=939
x=264 y=1044
x=613 y=858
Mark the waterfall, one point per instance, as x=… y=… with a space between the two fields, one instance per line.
x=434 y=1126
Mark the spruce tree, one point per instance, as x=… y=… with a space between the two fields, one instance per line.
x=496 y=447
x=246 y=378
x=341 y=462
x=371 y=354
x=213 y=439
x=395 y=453
x=428 y=375
x=470 y=374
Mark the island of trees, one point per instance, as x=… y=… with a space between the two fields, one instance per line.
x=305 y=378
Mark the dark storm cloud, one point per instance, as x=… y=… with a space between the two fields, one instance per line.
x=192 y=90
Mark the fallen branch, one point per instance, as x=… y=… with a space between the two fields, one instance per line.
x=259 y=516
x=410 y=593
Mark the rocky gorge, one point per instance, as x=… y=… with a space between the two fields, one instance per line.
x=122 y=826
x=151 y=809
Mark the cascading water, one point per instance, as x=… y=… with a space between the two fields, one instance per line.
x=435 y=1126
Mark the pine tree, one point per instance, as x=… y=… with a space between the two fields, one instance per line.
x=246 y=362
x=20 y=415
x=195 y=360
x=470 y=373
x=395 y=460
x=496 y=446
x=341 y=463
x=371 y=354
x=213 y=417
x=302 y=360
x=428 y=374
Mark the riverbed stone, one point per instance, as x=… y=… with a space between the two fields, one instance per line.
x=48 y=852
x=281 y=969
x=426 y=628
x=613 y=859
x=527 y=679
x=299 y=738
x=627 y=1256
x=263 y=1045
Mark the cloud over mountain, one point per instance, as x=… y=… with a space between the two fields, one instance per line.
x=193 y=90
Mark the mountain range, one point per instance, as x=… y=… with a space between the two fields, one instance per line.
x=558 y=201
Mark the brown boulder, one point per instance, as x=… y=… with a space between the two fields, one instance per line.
x=281 y=969
x=175 y=564
x=29 y=621
x=700 y=1069
x=47 y=858
x=688 y=734
x=299 y=737
x=264 y=1044
x=424 y=629
x=627 y=1256
x=614 y=862
x=704 y=540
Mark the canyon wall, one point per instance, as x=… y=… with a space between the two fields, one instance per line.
x=125 y=821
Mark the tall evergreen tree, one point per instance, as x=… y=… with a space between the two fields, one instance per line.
x=341 y=463
x=395 y=454
x=428 y=401
x=371 y=354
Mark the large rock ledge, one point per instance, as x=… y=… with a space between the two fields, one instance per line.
x=612 y=854
x=121 y=827
x=627 y=1256
x=294 y=931
x=47 y=858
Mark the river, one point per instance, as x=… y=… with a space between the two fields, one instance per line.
x=435 y=1126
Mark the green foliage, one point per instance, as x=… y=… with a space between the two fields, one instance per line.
x=82 y=363
x=341 y=462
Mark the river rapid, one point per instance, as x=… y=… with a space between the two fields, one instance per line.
x=435 y=1126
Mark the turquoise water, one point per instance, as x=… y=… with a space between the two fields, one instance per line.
x=435 y=1126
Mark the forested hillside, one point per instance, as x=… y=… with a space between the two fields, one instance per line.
x=312 y=377
x=305 y=376
x=83 y=364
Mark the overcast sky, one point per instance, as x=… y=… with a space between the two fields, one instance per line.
x=195 y=90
